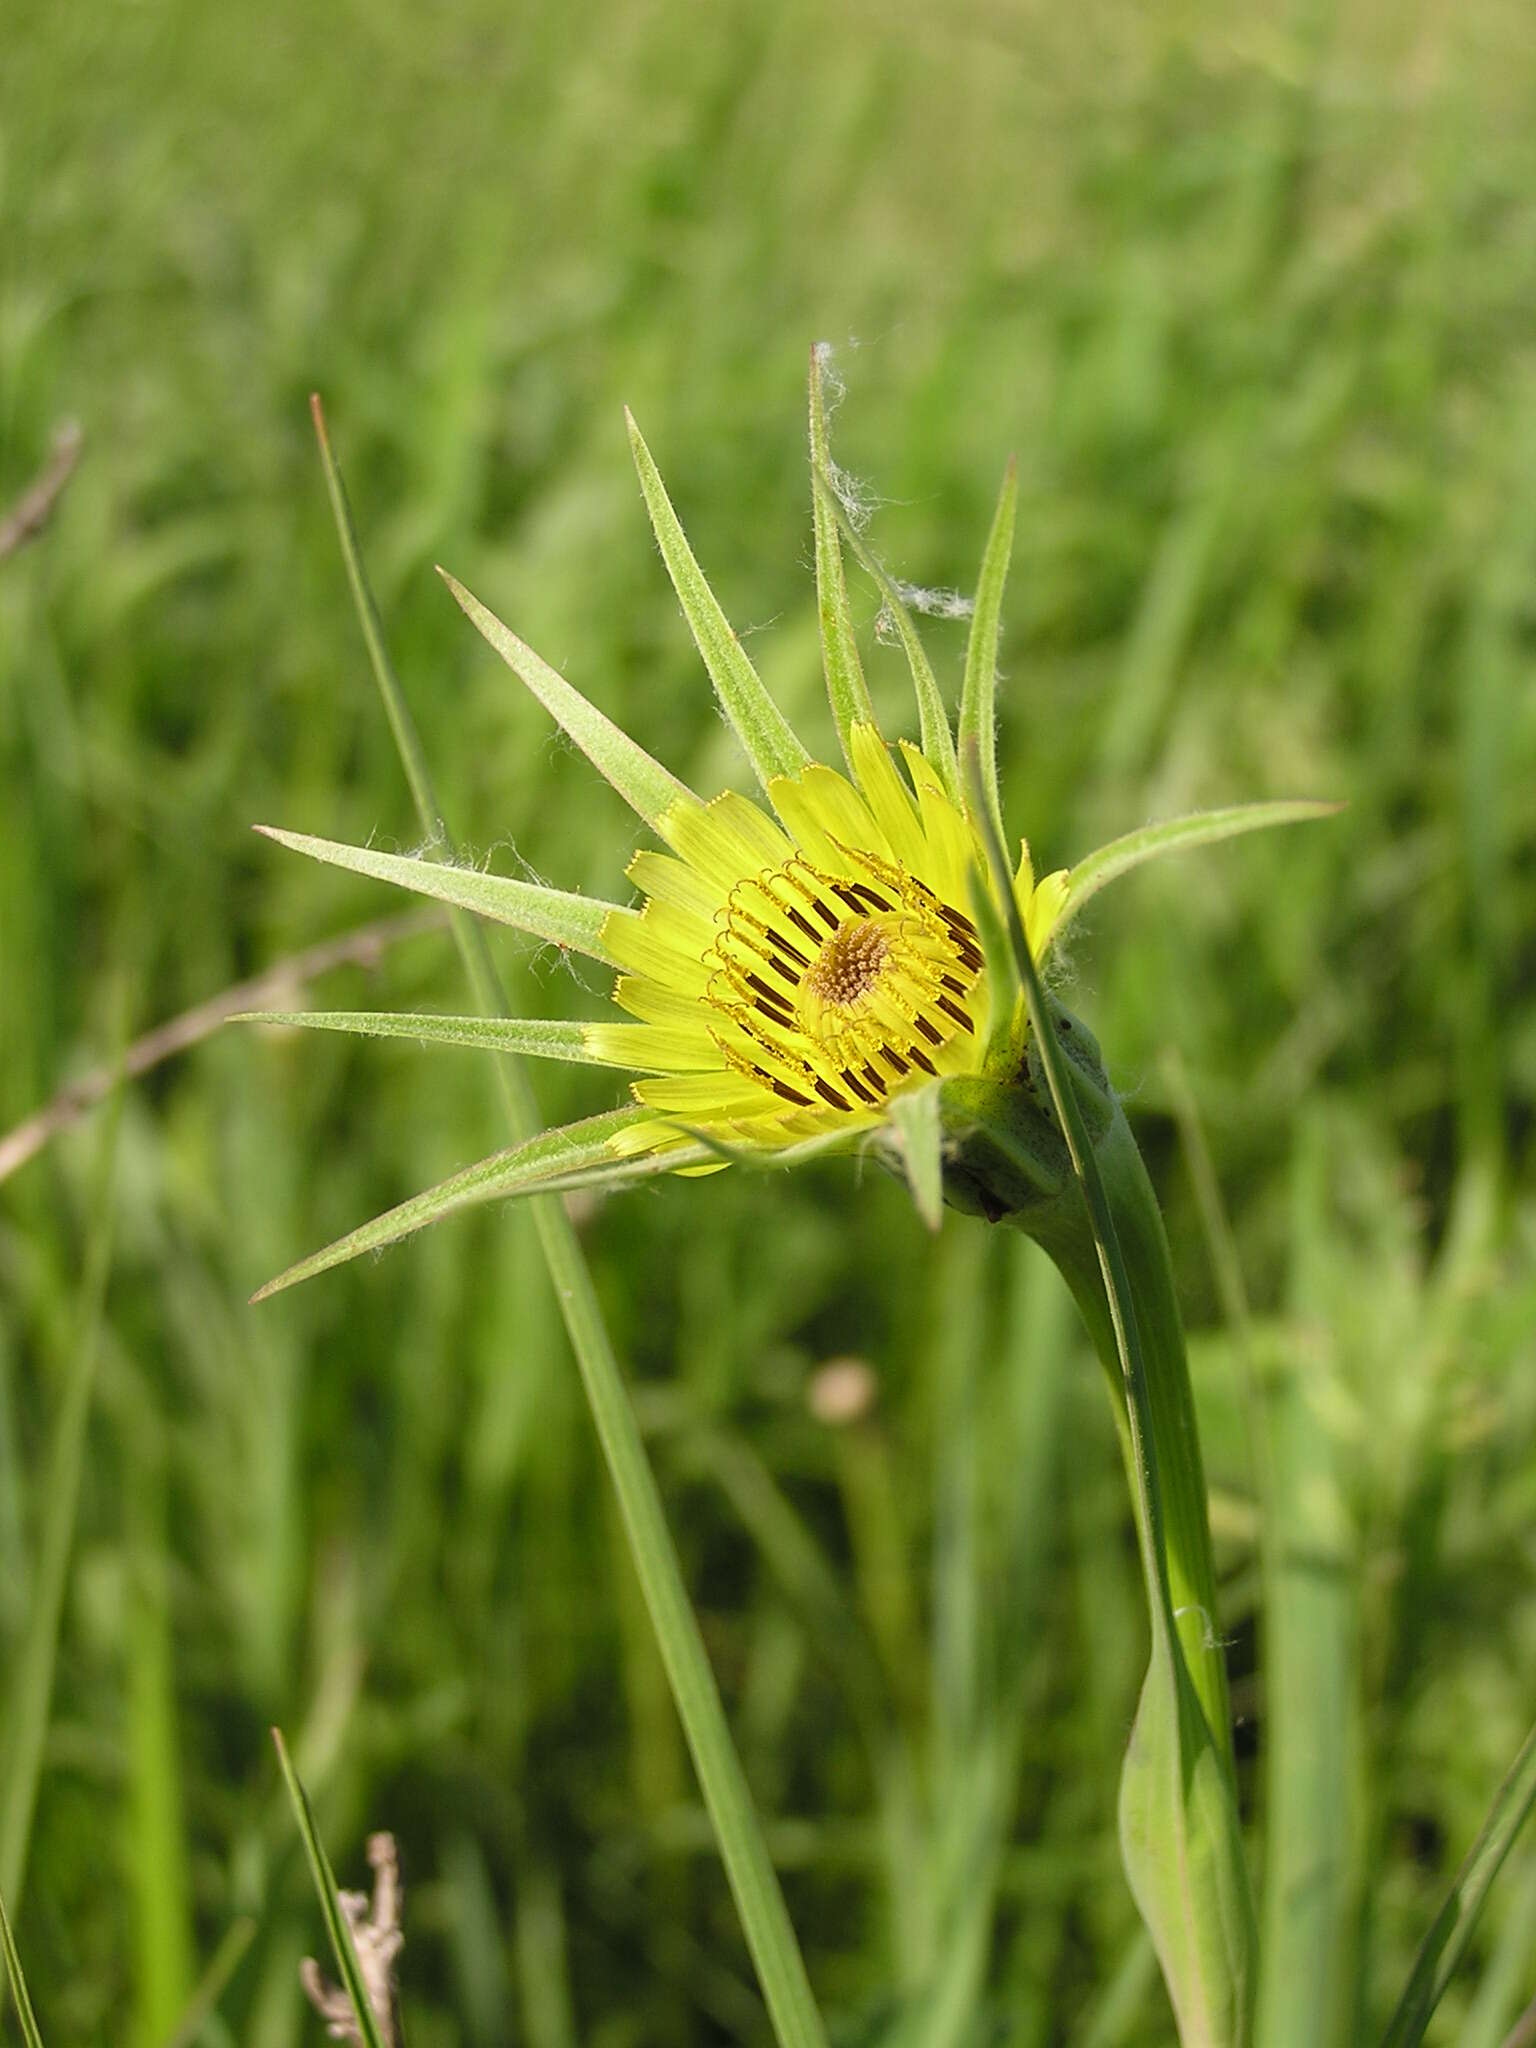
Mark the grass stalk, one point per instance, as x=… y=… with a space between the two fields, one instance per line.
x=369 y=2032
x=738 y=1830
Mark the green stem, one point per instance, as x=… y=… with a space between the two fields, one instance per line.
x=1063 y=1229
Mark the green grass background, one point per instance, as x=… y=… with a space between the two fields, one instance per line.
x=1250 y=292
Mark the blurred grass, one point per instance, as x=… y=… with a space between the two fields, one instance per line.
x=1250 y=298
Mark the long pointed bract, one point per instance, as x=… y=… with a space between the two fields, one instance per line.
x=533 y=1037
x=575 y=1155
x=978 y=698
x=757 y=721
x=551 y=914
x=847 y=691
x=540 y=1038
x=1174 y=835
x=938 y=740
x=649 y=789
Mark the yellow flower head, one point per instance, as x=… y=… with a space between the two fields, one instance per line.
x=803 y=976
x=792 y=977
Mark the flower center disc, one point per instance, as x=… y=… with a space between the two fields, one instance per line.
x=849 y=964
x=840 y=990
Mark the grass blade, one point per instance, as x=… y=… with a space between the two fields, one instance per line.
x=649 y=789
x=1176 y=835
x=1447 y=1940
x=551 y=914
x=847 y=691
x=1309 y=1575
x=342 y=1948
x=978 y=697
x=164 y=1971
x=210 y=1987
x=749 y=1869
x=18 y=1983
x=757 y=721
x=31 y=1681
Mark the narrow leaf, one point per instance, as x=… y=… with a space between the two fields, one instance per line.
x=756 y=720
x=551 y=1040
x=551 y=914
x=575 y=1155
x=938 y=741
x=916 y=1117
x=368 y=2030
x=1446 y=1942
x=649 y=789
x=847 y=690
x=18 y=1983
x=1174 y=835
x=978 y=698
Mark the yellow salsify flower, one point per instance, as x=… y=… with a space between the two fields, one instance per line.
x=801 y=978
x=792 y=977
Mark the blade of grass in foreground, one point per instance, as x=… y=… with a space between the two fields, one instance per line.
x=368 y=2030
x=1446 y=1942
x=18 y=1983
x=749 y=1869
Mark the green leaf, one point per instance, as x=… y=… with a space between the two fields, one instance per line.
x=978 y=698
x=649 y=789
x=938 y=742
x=575 y=1155
x=532 y=1036
x=551 y=914
x=336 y=1927
x=1175 y=835
x=915 y=1115
x=756 y=720
x=847 y=690
x=1446 y=1942
x=18 y=1983
x=1179 y=1832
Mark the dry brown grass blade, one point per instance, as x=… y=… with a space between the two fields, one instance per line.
x=363 y=947
x=34 y=508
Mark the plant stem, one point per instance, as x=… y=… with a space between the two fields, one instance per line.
x=1064 y=1230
